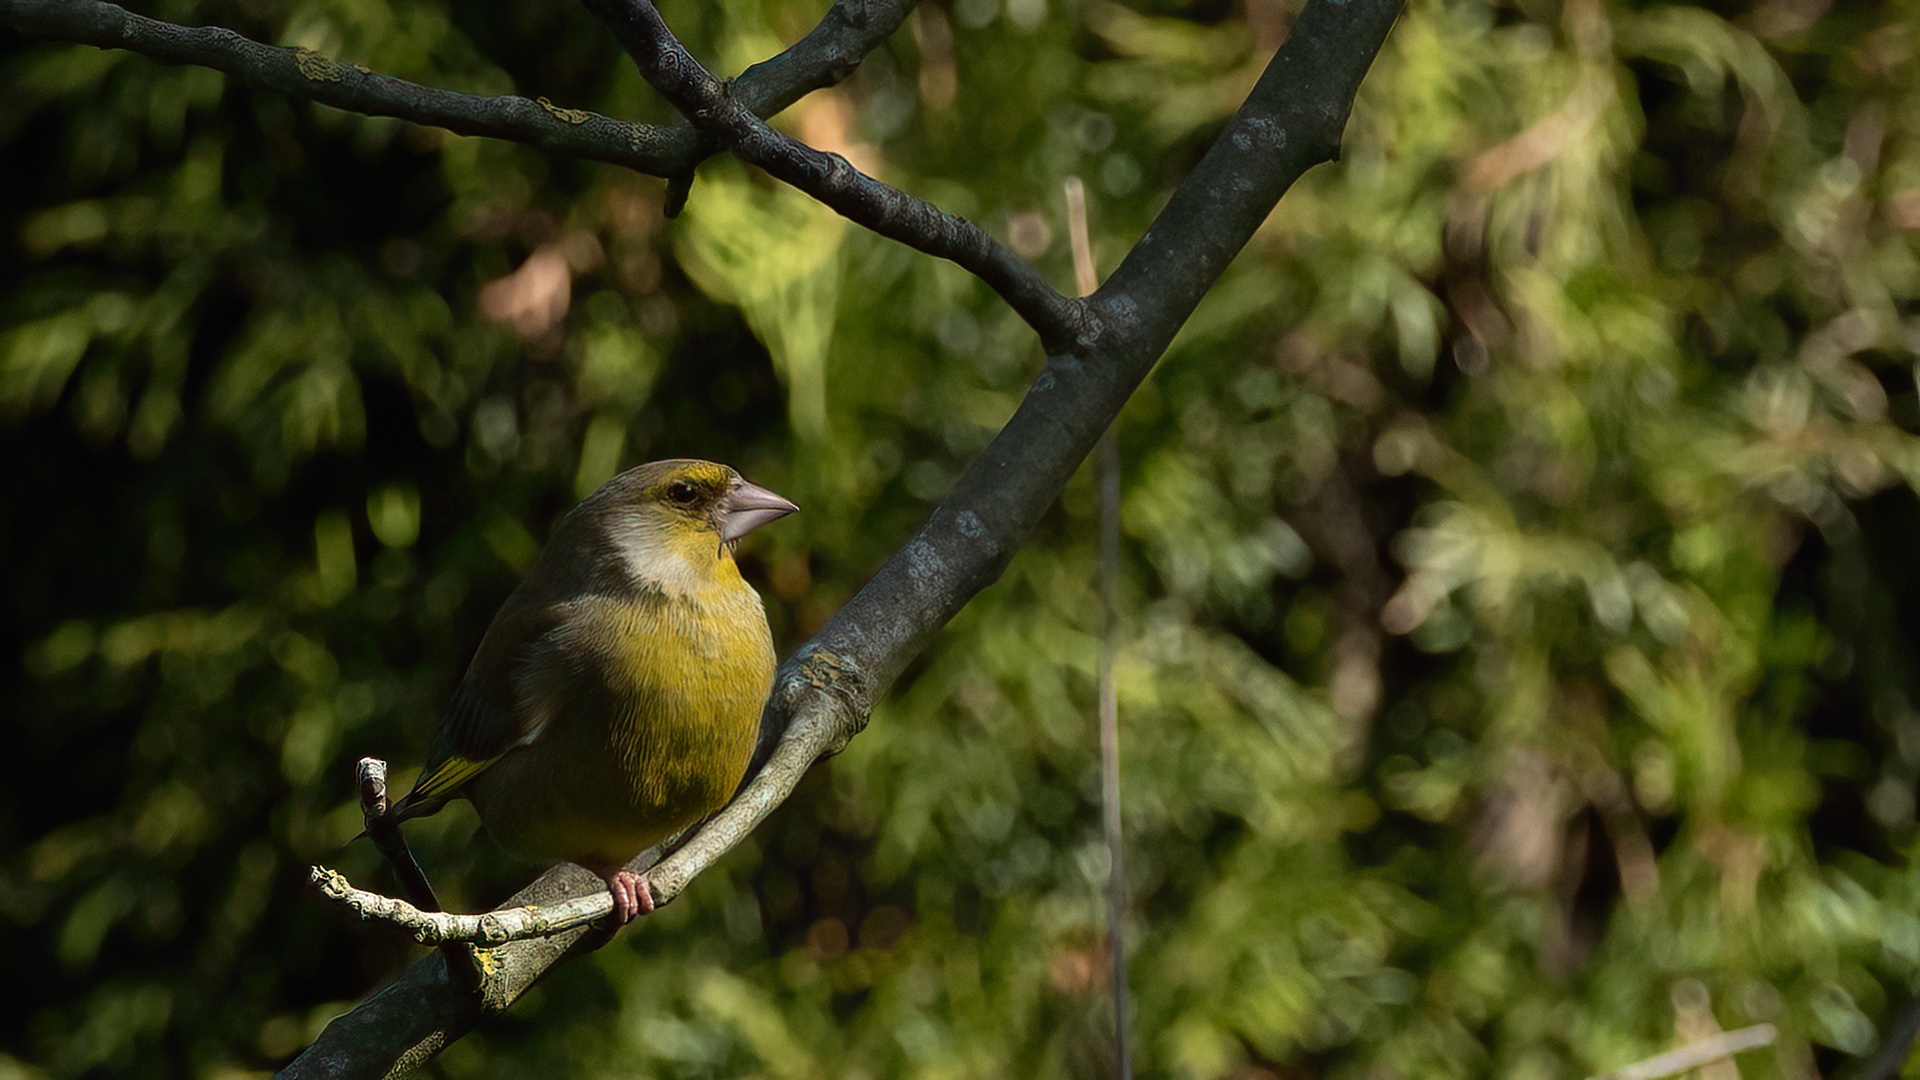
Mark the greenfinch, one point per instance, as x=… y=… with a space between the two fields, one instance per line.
x=616 y=697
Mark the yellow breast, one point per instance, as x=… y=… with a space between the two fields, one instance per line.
x=647 y=722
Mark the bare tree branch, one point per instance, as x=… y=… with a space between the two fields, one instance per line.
x=825 y=57
x=823 y=693
x=828 y=54
x=732 y=115
x=371 y=777
x=404 y=1024
x=1062 y=323
x=431 y=926
x=411 y=1019
x=806 y=742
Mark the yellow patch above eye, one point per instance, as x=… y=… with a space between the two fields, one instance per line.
x=705 y=476
x=447 y=777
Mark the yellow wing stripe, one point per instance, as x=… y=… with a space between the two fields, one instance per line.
x=447 y=777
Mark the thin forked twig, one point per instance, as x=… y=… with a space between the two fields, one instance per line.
x=488 y=928
x=828 y=54
x=810 y=736
x=1063 y=324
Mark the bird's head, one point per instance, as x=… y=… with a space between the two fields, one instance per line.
x=671 y=518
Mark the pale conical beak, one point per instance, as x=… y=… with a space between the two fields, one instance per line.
x=747 y=507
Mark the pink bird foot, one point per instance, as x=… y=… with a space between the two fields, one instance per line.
x=630 y=892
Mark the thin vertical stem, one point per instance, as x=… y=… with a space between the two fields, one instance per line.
x=1107 y=464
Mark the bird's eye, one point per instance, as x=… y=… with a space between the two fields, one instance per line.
x=682 y=492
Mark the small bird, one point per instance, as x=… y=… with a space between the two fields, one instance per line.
x=616 y=697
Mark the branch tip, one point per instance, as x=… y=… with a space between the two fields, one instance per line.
x=711 y=105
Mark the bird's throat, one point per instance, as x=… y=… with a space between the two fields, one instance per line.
x=676 y=563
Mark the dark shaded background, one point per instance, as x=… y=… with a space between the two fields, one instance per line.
x=1516 y=677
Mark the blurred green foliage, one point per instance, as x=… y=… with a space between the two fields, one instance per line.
x=1517 y=666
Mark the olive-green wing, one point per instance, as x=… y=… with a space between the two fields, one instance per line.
x=474 y=734
x=478 y=729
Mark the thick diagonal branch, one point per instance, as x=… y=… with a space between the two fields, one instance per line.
x=1062 y=323
x=828 y=54
x=1291 y=121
